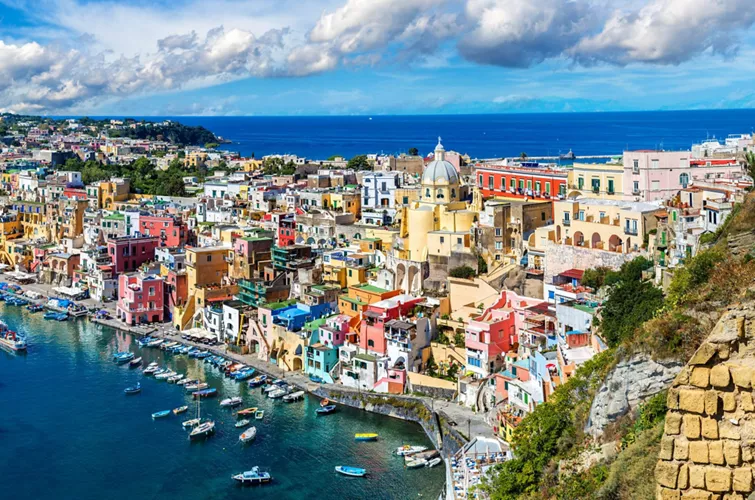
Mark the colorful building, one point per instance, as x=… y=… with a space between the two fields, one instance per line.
x=128 y=253
x=140 y=299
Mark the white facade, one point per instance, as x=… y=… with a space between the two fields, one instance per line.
x=379 y=193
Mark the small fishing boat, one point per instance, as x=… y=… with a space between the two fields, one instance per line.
x=134 y=362
x=247 y=411
x=206 y=393
x=175 y=378
x=134 y=389
x=155 y=343
x=248 y=435
x=203 y=430
x=165 y=375
x=185 y=381
x=56 y=316
x=408 y=450
x=277 y=393
x=190 y=423
x=242 y=423
x=294 y=396
x=366 y=436
x=315 y=379
x=259 y=414
x=12 y=340
x=34 y=308
x=123 y=357
x=179 y=410
x=326 y=410
x=195 y=387
x=254 y=476
x=258 y=381
x=424 y=455
x=432 y=463
x=231 y=402
x=151 y=369
x=415 y=463
x=350 y=471
x=161 y=414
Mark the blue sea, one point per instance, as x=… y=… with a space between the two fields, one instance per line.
x=480 y=136
x=67 y=431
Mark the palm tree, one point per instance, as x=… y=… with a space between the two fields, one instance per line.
x=749 y=158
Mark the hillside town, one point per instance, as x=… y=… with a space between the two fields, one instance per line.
x=429 y=273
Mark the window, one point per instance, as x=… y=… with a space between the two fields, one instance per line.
x=442 y=239
x=582 y=215
x=490 y=182
x=480 y=181
x=656 y=185
x=547 y=188
x=503 y=184
x=427 y=193
x=529 y=185
x=654 y=163
x=474 y=362
x=684 y=180
x=635 y=166
x=405 y=200
x=610 y=186
x=439 y=193
x=581 y=183
x=498 y=231
x=521 y=184
x=537 y=186
x=636 y=187
x=209 y=258
x=353 y=307
x=595 y=185
x=542 y=216
x=499 y=245
x=512 y=184
x=151 y=291
x=453 y=193
x=370 y=343
x=458 y=241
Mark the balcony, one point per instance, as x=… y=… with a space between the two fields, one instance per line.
x=630 y=231
x=566 y=222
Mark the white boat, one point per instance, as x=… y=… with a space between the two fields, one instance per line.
x=175 y=378
x=254 y=476
x=202 y=429
x=248 y=435
x=271 y=388
x=165 y=375
x=415 y=463
x=184 y=381
x=294 y=396
x=231 y=402
x=190 y=423
x=432 y=463
x=151 y=369
x=242 y=423
x=408 y=450
x=195 y=387
x=277 y=393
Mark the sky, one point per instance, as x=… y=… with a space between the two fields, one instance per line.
x=342 y=57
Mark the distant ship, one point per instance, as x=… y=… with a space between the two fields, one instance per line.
x=568 y=156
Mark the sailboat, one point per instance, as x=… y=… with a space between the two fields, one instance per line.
x=204 y=429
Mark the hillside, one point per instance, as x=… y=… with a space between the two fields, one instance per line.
x=578 y=445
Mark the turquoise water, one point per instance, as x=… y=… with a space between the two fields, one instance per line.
x=68 y=431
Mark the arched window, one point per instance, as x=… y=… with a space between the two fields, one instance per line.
x=439 y=194
x=453 y=193
x=684 y=179
x=427 y=193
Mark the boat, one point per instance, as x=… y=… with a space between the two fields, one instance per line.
x=34 y=308
x=432 y=463
x=270 y=388
x=231 y=402
x=248 y=435
x=294 y=396
x=203 y=430
x=325 y=402
x=326 y=410
x=175 y=378
x=408 y=450
x=11 y=340
x=165 y=375
x=350 y=471
x=151 y=369
x=134 y=362
x=247 y=411
x=259 y=414
x=277 y=393
x=244 y=374
x=315 y=379
x=206 y=393
x=134 y=389
x=367 y=436
x=415 y=463
x=186 y=381
x=425 y=455
x=258 y=381
x=195 y=387
x=155 y=343
x=242 y=423
x=161 y=414
x=190 y=423
x=56 y=316
x=123 y=357
x=179 y=410
x=254 y=476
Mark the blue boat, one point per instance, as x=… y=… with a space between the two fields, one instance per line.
x=254 y=476
x=161 y=414
x=202 y=355
x=258 y=381
x=34 y=308
x=136 y=389
x=326 y=410
x=351 y=471
x=123 y=357
x=205 y=393
x=315 y=379
x=244 y=374
x=56 y=316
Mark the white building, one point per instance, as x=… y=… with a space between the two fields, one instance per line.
x=379 y=193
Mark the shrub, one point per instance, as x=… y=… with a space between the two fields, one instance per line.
x=465 y=272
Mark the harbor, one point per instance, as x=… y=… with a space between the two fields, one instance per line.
x=299 y=450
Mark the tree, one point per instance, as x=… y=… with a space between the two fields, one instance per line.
x=465 y=272
x=595 y=277
x=750 y=163
x=523 y=155
x=431 y=368
x=459 y=339
x=359 y=162
x=211 y=145
x=413 y=152
x=453 y=370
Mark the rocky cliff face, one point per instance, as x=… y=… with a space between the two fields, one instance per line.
x=632 y=381
x=708 y=447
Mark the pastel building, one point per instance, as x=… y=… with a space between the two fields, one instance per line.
x=140 y=299
x=373 y=337
x=322 y=353
x=130 y=252
x=488 y=337
x=525 y=180
x=597 y=180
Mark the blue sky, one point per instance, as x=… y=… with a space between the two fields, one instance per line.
x=286 y=57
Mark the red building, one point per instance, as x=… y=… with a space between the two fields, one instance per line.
x=521 y=181
x=140 y=299
x=130 y=252
x=171 y=230
x=374 y=318
x=285 y=228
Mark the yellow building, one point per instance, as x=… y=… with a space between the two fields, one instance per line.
x=196 y=160
x=616 y=226
x=597 y=180
x=344 y=201
x=108 y=193
x=407 y=195
x=251 y=165
x=33 y=219
x=206 y=266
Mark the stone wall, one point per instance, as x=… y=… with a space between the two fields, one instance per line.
x=560 y=258
x=708 y=447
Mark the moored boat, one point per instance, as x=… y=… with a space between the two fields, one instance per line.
x=134 y=362
x=259 y=414
x=366 y=436
x=432 y=463
x=415 y=463
x=424 y=455
x=242 y=423
x=179 y=410
x=12 y=340
x=277 y=393
x=206 y=393
x=408 y=450
x=190 y=423
x=151 y=369
x=161 y=414
x=123 y=357
x=247 y=411
x=134 y=389
x=165 y=374
x=203 y=430
x=294 y=396
x=350 y=471
x=34 y=308
x=248 y=435
x=258 y=381
x=254 y=476
x=325 y=410
x=175 y=378
x=195 y=387
x=231 y=402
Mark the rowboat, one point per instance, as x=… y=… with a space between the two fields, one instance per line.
x=351 y=471
x=325 y=410
x=415 y=463
x=123 y=357
x=134 y=362
x=248 y=435
x=231 y=402
x=254 y=476
x=259 y=414
x=136 y=389
x=294 y=396
x=367 y=436
x=151 y=369
x=206 y=393
x=180 y=409
x=161 y=414
x=242 y=423
x=247 y=411
x=432 y=463
x=408 y=450
x=190 y=423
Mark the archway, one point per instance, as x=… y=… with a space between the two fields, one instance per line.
x=558 y=234
x=410 y=282
x=579 y=239
x=297 y=364
x=595 y=241
x=400 y=274
x=629 y=245
x=614 y=243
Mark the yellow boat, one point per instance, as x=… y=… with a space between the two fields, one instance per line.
x=366 y=437
x=247 y=411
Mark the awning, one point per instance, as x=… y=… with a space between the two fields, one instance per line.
x=573 y=273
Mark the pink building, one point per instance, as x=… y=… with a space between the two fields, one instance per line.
x=171 y=230
x=140 y=299
x=372 y=329
x=658 y=175
x=489 y=337
x=130 y=252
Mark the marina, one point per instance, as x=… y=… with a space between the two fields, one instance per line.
x=80 y=353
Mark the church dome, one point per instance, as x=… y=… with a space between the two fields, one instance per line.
x=439 y=171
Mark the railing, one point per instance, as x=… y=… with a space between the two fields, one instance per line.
x=566 y=222
x=630 y=231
